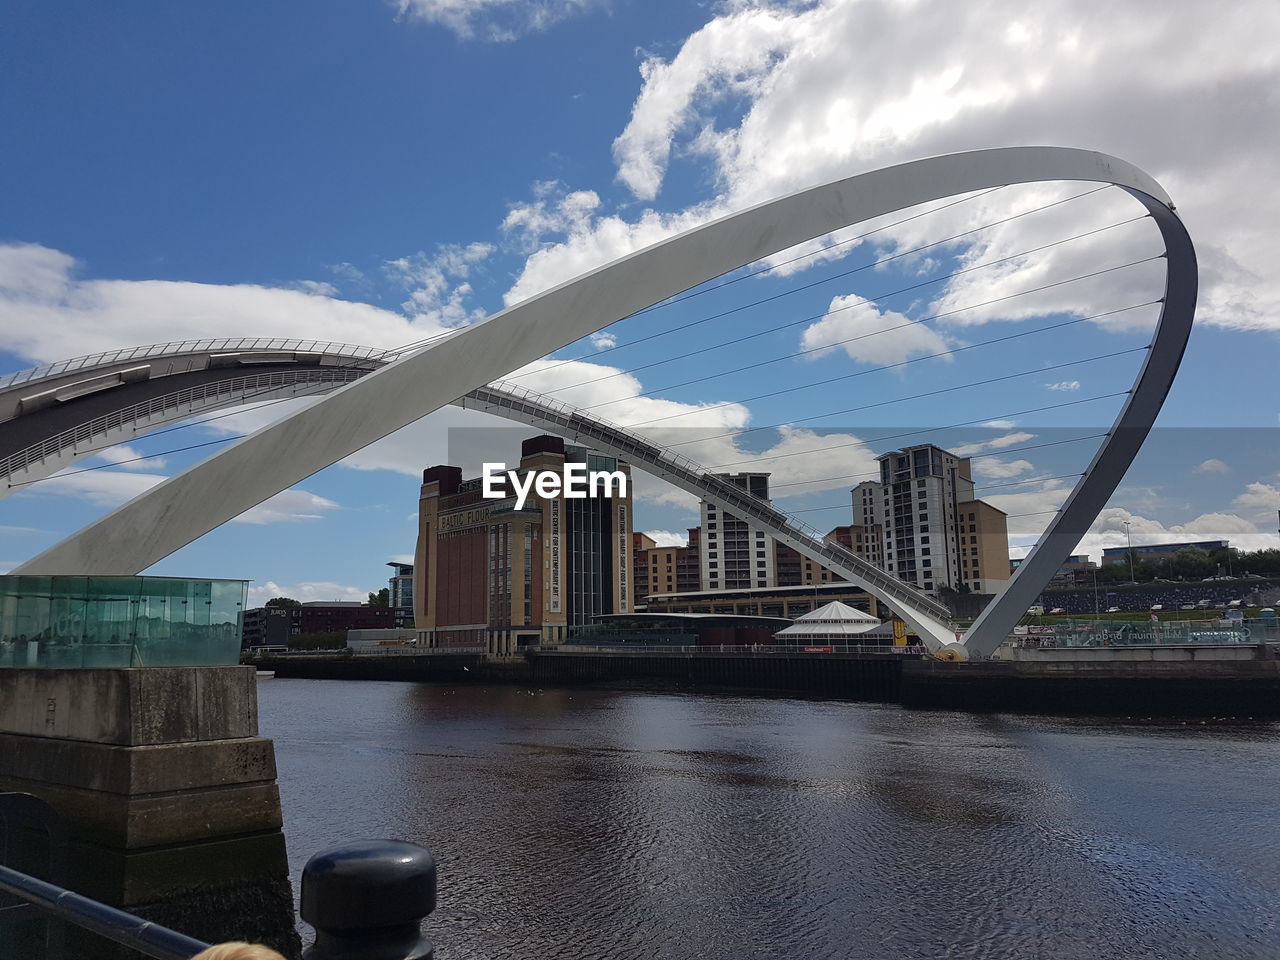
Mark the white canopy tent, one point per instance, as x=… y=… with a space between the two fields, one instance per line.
x=834 y=621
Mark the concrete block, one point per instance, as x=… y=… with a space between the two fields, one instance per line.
x=130 y=706
x=134 y=823
x=156 y=768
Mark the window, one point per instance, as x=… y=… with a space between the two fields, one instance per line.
x=924 y=563
x=713 y=564
x=924 y=539
x=972 y=517
x=759 y=563
x=711 y=525
x=973 y=540
x=924 y=551
x=759 y=553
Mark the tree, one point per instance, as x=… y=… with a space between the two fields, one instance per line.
x=283 y=602
x=381 y=599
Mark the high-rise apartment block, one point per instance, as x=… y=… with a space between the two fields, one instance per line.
x=934 y=533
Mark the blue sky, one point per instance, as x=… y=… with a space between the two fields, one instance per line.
x=376 y=172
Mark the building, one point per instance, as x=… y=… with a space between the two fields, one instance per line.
x=1159 y=551
x=738 y=555
x=866 y=541
x=400 y=593
x=934 y=532
x=277 y=626
x=670 y=569
x=788 y=602
x=492 y=575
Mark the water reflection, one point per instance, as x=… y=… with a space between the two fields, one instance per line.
x=596 y=824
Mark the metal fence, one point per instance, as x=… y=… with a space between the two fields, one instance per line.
x=340 y=887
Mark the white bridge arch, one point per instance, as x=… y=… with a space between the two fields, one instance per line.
x=191 y=503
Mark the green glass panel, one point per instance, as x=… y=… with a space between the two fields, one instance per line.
x=66 y=622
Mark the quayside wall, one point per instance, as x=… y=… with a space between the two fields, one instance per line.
x=1239 y=681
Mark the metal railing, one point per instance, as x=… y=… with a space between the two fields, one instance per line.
x=213 y=345
x=339 y=888
x=814 y=649
x=189 y=400
x=574 y=422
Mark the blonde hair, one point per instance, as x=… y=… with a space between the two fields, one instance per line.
x=237 y=951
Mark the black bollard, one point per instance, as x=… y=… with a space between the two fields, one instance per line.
x=367 y=900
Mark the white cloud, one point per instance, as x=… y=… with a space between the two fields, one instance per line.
x=111 y=488
x=994 y=468
x=766 y=99
x=346 y=271
x=130 y=459
x=1065 y=386
x=1261 y=497
x=1212 y=465
x=603 y=340
x=494 y=20
x=868 y=335
x=668 y=538
x=48 y=314
x=319 y=288
x=288 y=506
x=305 y=592
x=437 y=284
x=995 y=443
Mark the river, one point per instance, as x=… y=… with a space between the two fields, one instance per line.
x=602 y=824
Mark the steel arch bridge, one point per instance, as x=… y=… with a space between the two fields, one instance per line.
x=409 y=384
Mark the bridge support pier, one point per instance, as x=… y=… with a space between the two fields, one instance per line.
x=168 y=794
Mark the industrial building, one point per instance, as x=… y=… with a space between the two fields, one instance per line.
x=490 y=577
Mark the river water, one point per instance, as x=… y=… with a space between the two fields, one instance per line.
x=598 y=824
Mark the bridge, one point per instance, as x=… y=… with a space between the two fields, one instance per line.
x=419 y=381
x=102 y=393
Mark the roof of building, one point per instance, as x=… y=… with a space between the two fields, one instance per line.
x=835 y=619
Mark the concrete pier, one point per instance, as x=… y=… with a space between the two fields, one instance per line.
x=168 y=793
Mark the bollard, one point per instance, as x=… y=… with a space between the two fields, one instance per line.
x=367 y=899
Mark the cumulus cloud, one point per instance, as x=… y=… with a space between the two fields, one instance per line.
x=494 y=20
x=995 y=443
x=111 y=488
x=869 y=335
x=766 y=99
x=993 y=468
x=437 y=283
x=1212 y=465
x=130 y=459
x=1261 y=497
x=48 y=313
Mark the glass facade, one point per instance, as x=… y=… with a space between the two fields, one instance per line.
x=120 y=621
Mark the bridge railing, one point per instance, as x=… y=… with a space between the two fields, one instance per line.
x=210 y=345
x=571 y=421
x=203 y=395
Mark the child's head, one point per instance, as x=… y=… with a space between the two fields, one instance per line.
x=237 y=951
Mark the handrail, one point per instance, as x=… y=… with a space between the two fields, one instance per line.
x=203 y=345
x=736 y=649
x=124 y=928
x=84 y=431
x=572 y=420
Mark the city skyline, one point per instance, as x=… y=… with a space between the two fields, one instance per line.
x=118 y=261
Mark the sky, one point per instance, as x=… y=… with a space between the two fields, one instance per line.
x=378 y=172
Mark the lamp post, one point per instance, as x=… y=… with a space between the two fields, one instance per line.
x=1129 y=537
